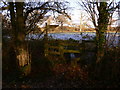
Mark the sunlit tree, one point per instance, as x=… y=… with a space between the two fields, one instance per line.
x=100 y=14
x=62 y=19
x=24 y=17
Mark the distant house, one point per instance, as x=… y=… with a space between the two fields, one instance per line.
x=53 y=26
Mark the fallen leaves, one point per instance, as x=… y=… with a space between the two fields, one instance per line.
x=70 y=72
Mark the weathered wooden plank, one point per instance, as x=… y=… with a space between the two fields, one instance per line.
x=71 y=51
x=52 y=52
x=54 y=47
x=69 y=44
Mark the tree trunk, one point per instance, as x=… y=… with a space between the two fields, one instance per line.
x=62 y=26
x=23 y=60
x=46 y=41
x=100 y=32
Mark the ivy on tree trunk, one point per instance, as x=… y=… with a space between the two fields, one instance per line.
x=101 y=29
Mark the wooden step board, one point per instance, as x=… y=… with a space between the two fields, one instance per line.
x=54 y=53
x=63 y=47
x=71 y=51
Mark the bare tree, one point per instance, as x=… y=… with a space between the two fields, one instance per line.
x=119 y=13
x=61 y=19
x=83 y=22
x=100 y=14
x=24 y=17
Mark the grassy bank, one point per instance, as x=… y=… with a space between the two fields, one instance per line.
x=53 y=71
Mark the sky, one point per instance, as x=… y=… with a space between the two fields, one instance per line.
x=76 y=11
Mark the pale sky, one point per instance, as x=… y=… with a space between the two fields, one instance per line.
x=77 y=10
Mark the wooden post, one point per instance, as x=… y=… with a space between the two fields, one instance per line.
x=61 y=50
x=46 y=41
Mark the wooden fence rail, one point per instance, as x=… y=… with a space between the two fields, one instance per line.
x=63 y=47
